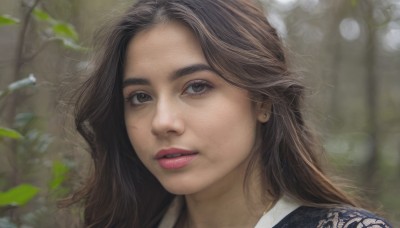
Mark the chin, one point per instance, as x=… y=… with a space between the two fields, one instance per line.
x=180 y=188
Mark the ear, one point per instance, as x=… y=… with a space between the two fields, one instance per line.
x=263 y=110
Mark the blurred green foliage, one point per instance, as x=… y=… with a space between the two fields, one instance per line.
x=30 y=144
x=8 y=20
x=59 y=30
x=18 y=196
x=25 y=143
x=59 y=173
x=9 y=133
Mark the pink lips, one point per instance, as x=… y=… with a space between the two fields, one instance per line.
x=174 y=158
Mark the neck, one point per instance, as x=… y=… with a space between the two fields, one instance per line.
x=226 y=204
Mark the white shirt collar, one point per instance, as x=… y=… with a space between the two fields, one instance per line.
x=283 y=207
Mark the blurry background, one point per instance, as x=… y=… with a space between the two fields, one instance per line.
x=347 y=50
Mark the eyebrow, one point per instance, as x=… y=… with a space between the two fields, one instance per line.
x=177 y=74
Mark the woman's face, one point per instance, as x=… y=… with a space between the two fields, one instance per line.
x=189 y=127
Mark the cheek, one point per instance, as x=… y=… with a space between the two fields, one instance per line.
x=229 y=128
x=137 y=132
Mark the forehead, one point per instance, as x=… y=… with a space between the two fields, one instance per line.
x=170 y=44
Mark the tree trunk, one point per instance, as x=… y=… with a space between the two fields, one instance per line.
x=372 y=82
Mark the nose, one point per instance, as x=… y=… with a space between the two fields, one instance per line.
x=167 y=119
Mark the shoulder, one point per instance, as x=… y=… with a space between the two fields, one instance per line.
x=335 y=217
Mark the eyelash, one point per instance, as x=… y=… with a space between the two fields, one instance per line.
x=206 y=87
x=133 y=96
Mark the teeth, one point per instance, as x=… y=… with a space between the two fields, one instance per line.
x=173 y=155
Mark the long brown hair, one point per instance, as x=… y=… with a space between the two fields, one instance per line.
x=241 y=45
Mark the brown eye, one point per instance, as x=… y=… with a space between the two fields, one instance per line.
x=139 y=98
x=197 y=87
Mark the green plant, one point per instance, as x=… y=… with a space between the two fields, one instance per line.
x=23 y=193
x=31 y=146
x=26 y=200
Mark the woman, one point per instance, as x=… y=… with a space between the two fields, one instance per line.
x=194 y=120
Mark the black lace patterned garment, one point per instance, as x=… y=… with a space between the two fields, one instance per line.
x=339 y=217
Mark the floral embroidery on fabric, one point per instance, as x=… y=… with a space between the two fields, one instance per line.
x=336 y=217
x=345 y=218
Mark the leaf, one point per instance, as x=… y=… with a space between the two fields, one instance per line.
x=22 y=120
x=354 y=3
x=9 y=133
x=41 y=15
x=28 y=81
x=59 y=172
x=18 y=196
x=65 y=30
x=42 y=142
x=8 y=20
x=71 y=44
